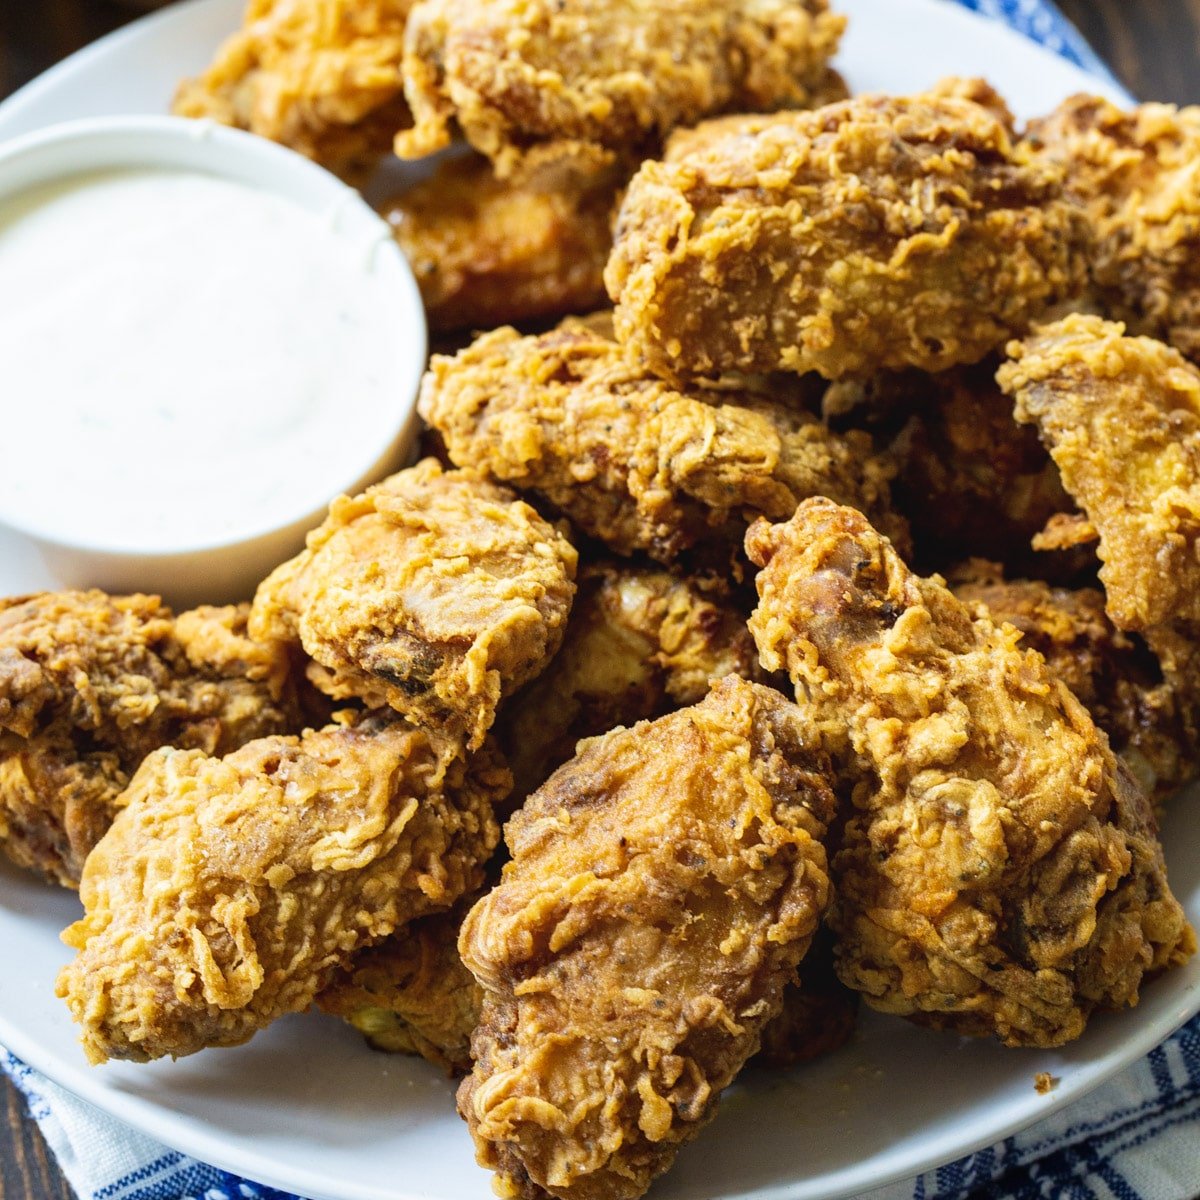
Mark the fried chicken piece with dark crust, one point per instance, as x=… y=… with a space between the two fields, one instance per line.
x=663 y=888
x=228 y=891
x=320 y=76
x=433 y=593
x=881 y=233
x=1135 y=175
x=90 y=684
x=1121 y=418
x=537 y=82
x=1001 y=872
x=629 y=459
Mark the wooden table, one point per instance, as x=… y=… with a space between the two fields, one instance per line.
x=1154 y=45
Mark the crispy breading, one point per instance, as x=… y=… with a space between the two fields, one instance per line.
x=1121 y=418
x=1001 y=872
x=90 y=684
x=488 y=252
x=630 y=459
x=321 y=76
x=433 y=593
x=640 y=642
x=663 y=887
x=533 y=82
x=881 y=233
x=1135 y=174
x=228 y=891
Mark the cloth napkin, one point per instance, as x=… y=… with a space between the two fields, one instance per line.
x=1136 y=1137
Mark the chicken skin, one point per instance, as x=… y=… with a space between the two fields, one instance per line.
x=320 y=76
x=228 y=891
x=1121 y=418
x=537 y=82
x=628 y=458
x=663 y=887
x=881 y=233
x=1001 y=872
x=433 y=593
x=488 y=252
x=1135 y=174
x=90 y=684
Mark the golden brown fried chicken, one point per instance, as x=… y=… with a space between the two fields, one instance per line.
x=1001 y=873
x=488 y=252
x=640 y=642
x=320 y=76
x=664 y=885
x=1121 y=418
x=531 y=82
x=630 y=459
x=880 y=233
x=411 y=994
x=433 y=593
x=90 y=684
x=228 y=891
x=1135 y=174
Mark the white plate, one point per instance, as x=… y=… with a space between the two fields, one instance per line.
x=306 y=1107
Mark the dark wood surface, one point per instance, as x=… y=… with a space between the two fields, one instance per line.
x=1153 y=45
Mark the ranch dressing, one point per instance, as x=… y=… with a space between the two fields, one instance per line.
x=186 y=359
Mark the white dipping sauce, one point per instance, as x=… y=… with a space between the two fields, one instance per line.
x=185 y=359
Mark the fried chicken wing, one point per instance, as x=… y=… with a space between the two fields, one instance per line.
x=1121 y=418
x=433 y=593
x=321 y=76
x=881 y=233
x=631 y=460
x=228 y=891
x=1001 y=872
x=531 y=82
x=664 y=885
x=488 y=252
x=90 y=684
x=1135 y=174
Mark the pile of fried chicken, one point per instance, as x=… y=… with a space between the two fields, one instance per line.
x=816 y=622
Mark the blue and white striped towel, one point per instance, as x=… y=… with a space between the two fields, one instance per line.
x=1135 y=1138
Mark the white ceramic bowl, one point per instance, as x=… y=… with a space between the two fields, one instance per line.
x=191 y=572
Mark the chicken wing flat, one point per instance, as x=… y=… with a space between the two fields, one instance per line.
x=228 y=891
x=663 y=887
x=1121 y=418
x=639 y=643
x=631 y=460
x=411 y=994
x=1135 y=174
x=320 y=76
x=1001 y=872
x=530 y=82
x=90 y=684
x=488 y=252
x=432 y=593
x=880 y=233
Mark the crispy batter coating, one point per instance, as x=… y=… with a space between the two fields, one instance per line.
x=531 y=82
x=630 y=459
x=1151 y=718
x=664 y=885
x=321 y=76
x=411 y=994
x=1135 y=174
x=488 y=252
x=1001 y=873
x=228 y=891
x=1121 y=418
x=433 y=593
x=90 y=684
x=881 y=233
x=639 y=643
